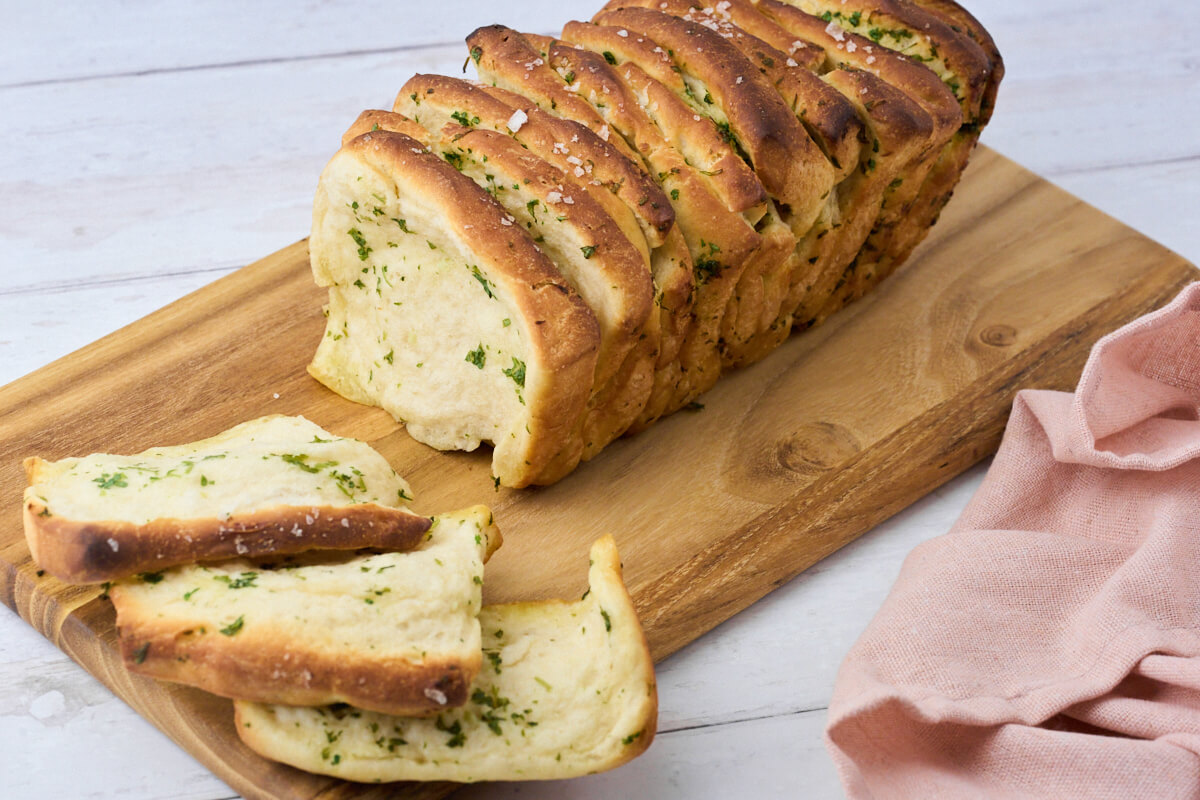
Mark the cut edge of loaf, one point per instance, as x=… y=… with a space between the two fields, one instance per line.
x=546 y=383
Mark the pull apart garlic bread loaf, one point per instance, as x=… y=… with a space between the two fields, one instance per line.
x=566 y=689
x=747 y=166
x=272 y=485
x=396 y=632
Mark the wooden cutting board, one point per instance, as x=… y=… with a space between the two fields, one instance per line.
x=787 y=460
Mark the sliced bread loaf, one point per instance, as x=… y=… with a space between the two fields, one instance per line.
x=566 y=689
x=272 y=485
x=392 y=632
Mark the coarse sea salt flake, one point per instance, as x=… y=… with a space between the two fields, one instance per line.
x=836 y=31
x=517 y=119
x=114 y=544
x=554 y=197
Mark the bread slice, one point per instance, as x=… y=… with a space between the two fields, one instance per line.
x=444 y=312
x=567 y=689
x=272 y=485
x=392 y=632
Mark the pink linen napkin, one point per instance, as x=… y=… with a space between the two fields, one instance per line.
x=1049 y=645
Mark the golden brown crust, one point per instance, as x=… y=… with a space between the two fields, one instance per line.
x=828 y=118
x=790 y=165
x=911 y=82
x=693 y=135
x=257 y=656
x=962 y=56
x=560 y=332
x=901 y=132
x=603 y=165
x=374 y=120
x=268 y=670
x=962 y=21
x=671 y=265
x=859 y=52
x=94 y=551
x=722 y=246
x=506 y=59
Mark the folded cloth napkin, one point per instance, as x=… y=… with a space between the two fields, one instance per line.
x=1049 y=645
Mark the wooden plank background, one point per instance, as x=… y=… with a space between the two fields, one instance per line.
x=151 y=151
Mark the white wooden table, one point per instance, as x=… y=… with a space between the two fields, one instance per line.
x=148 y=149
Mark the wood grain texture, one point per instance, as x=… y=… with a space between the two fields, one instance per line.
x=787 y=461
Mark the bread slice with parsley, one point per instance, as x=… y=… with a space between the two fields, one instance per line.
x=442 y=311
x=566 y=689
x=573 y=224
x=272 y=485
x=388 y=631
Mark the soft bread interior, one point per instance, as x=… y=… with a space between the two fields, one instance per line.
x=415 y=324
